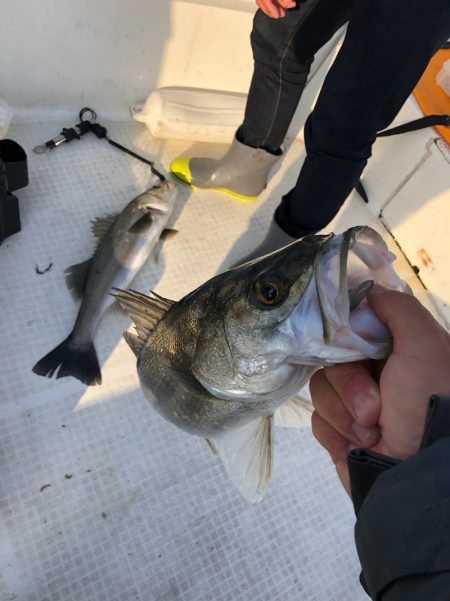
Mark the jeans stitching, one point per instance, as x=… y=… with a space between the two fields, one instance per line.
x=277 y=102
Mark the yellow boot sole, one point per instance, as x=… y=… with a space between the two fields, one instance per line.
x=181 y=172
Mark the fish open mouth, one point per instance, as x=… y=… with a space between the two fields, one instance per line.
x=346 y=269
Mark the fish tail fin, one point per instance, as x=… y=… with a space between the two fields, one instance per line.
x=68 y=359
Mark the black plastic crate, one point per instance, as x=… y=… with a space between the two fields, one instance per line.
x=13 y=176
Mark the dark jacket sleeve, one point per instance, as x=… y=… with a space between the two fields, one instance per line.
x=402 y=531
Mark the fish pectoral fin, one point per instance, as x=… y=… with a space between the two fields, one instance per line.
x=145 y=311
x=168 y=233
x=75 y=277
x=142 y=225
x=100 y=225
x=295 y=413
x=246 y=454
x=157 y=250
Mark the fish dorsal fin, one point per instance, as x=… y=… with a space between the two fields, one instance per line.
x=100 y=225
x=246 y=454
x=145 y=311
x=134 y=342
x=75 y=277
x=295 y=413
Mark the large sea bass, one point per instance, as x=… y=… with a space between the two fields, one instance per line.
x=125 y=243
x=220 y=362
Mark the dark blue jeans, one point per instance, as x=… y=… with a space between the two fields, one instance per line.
x=387 y=47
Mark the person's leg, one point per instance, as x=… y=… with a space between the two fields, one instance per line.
x=283 y=51
x=386 y=49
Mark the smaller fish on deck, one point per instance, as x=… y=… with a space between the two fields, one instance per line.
x=126 y=241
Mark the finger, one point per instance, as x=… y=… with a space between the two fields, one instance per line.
x=329 y=406
x=344 y=476
x=410 y=323
x=336 y=444
x=356 y=387
x=270 y=8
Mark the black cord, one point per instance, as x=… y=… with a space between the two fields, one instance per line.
x=86 y=109
x=101 y=132
x=137 y=156
x=421 y=123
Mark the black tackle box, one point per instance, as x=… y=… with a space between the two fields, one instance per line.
x=13 y=176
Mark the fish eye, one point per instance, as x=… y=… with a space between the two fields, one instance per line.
x=269 y=291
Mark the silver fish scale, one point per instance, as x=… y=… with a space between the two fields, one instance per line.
x=165 y=371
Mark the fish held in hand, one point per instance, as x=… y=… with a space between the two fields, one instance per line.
x=221 y=361
x=126 y=241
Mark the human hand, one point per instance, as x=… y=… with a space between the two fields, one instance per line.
x=275 y=8
x=381 y=405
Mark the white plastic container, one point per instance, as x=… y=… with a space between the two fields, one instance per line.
x=443 y=77
x=192 y=113
x=5 y=118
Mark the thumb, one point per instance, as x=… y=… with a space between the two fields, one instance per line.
x=406 y=318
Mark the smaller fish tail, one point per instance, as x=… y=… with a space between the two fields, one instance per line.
x=67 y=359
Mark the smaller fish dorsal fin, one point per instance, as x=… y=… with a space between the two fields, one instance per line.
x=246 y=454
x=295 y=413
x=145 y=311
x=100 y=225
x=75 y=277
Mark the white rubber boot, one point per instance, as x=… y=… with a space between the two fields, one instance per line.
x=275 y=239
x=242 y=172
